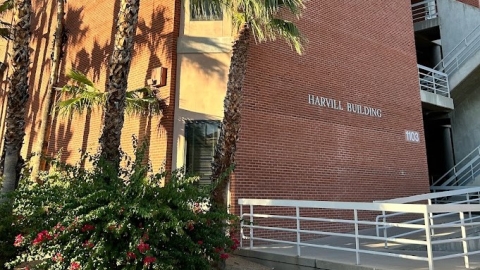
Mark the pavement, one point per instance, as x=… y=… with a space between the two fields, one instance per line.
x=283 y=256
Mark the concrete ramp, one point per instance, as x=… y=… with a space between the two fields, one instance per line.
x=283 y=256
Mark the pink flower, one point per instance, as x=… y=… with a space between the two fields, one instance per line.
x=75 y=266
x=235 y=244
x=88 y=244
x=88 y=227
x=41 y=237
x=59 y=227
x=145 y=237
x=148 y=260
x=142 y=247
x=57 y=258
x=224 y=256
x=18 y=240
x=131 y=255
x=200 y=242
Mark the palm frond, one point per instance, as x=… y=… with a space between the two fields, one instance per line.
x=143 y=100
x=79 y=96
x=286 y=30
x=80 y=78
x=294 y=6
x=265 y=24
x=5 y=27
x=6 y=5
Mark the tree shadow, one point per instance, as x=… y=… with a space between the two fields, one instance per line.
x=40 y=51
x=87 y=63
x=150 y=37
x=75 y=32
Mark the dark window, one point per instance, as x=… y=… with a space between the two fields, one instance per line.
x=206 y=12
x=201 y=138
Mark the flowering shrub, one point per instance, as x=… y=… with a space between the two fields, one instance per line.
x=93 y=219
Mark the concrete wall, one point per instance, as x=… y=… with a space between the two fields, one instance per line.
x=465 y=117
x=203 y=61
x=457 y=20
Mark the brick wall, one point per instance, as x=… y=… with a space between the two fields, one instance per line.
x=90 y=27
x=474 y=3
x=359 y=52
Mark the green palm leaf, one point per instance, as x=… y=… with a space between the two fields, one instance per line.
x=286 y=30
x=6 y=5
x=82 y=94
x=142 y=101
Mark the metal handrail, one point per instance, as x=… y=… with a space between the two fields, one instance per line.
x=475 y=153
x=433 y=81
x=460 y=52
x=430 y=196
x=249 y=223
x=424 y=10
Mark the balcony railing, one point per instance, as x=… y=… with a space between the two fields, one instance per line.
x=433 y=81
x=424 y=10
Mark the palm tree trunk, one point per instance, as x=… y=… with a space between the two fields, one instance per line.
x=18 y=94
x=117 y=81
x=224 y=157
x=45 y=120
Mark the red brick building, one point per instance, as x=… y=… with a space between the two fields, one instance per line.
x=328 y=125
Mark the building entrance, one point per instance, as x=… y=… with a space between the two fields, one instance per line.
x=439 y=144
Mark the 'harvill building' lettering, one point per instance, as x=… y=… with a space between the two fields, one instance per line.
x=325 y=102
x=337 y=105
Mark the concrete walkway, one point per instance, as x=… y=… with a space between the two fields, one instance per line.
x=284 y=256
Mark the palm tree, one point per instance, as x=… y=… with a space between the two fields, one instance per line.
x=119 y=68
x=44 y=121
x=18 y=94
x=260 y=19
x=82 y=95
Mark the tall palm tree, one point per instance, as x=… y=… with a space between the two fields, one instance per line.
x=260 y=19
x=46 y=109
x=18 y=94
x=116 y=87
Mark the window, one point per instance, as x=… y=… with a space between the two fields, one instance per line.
x=206 y=12
x=201 y=138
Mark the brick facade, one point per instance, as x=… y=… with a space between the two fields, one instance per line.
x=90 y=28
x=359 y=52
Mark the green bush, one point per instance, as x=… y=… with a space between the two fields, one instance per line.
x=94 y=219
x=7 y=234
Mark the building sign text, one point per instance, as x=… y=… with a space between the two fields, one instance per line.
x=344 y=106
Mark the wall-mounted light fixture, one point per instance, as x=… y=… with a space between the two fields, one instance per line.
x=158 y=77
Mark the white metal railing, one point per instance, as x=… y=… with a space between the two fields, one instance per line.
x=464 y=172
x=266 y=233
x=433 y=81
x=424 y=10
x=460 y=53
x=464 y=196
